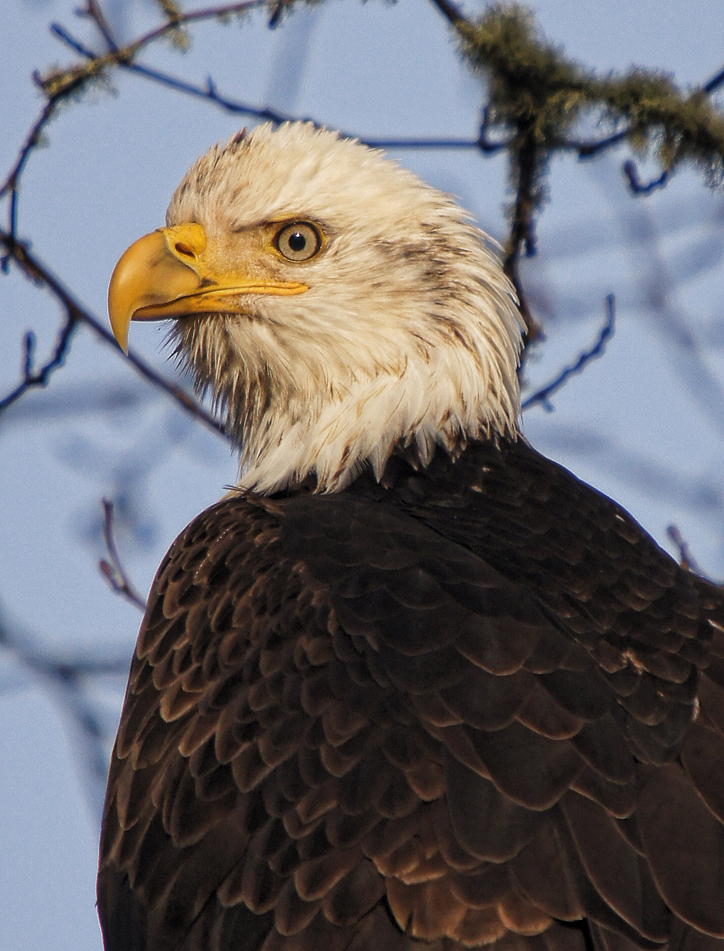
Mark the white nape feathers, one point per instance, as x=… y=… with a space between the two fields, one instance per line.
x=406 y=338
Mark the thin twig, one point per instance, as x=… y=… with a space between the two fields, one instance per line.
x=93 y=11
x=111 y=568
x=525 y=152
x=714 y=83
x=76 y=313
x=41 y=377
x=544 y=394
x=685 y=558
x=193 y=16
x=643 y=188
x=208 y=92
x=211 y=93
x=11 y=184
x=62 y=34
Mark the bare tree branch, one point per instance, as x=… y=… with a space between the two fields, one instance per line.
x=528 y=155
x=12 y=182
x=544 y=394
x=76 y=313
x=211 y=93
x=64 y=675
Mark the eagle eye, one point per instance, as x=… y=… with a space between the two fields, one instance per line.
x=298 y=241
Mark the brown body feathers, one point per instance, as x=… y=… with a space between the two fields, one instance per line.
x=477 y=706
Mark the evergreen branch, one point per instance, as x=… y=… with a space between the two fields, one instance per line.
x=534 y=88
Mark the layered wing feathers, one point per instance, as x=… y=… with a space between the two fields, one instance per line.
x=476 y=706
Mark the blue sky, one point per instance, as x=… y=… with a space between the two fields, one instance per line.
x=645 y=423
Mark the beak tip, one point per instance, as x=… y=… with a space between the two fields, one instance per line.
x=120 y=330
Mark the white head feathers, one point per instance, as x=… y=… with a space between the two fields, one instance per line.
x=408 y=335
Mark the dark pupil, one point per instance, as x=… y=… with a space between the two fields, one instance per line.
x=297 y=241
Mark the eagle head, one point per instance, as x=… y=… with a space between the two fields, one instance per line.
x=339 y=309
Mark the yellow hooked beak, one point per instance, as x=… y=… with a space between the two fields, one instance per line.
x=170 y=273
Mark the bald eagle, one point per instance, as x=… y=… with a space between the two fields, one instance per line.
x=409 y=685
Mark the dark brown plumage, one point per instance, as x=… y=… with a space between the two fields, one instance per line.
x=473 y=704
